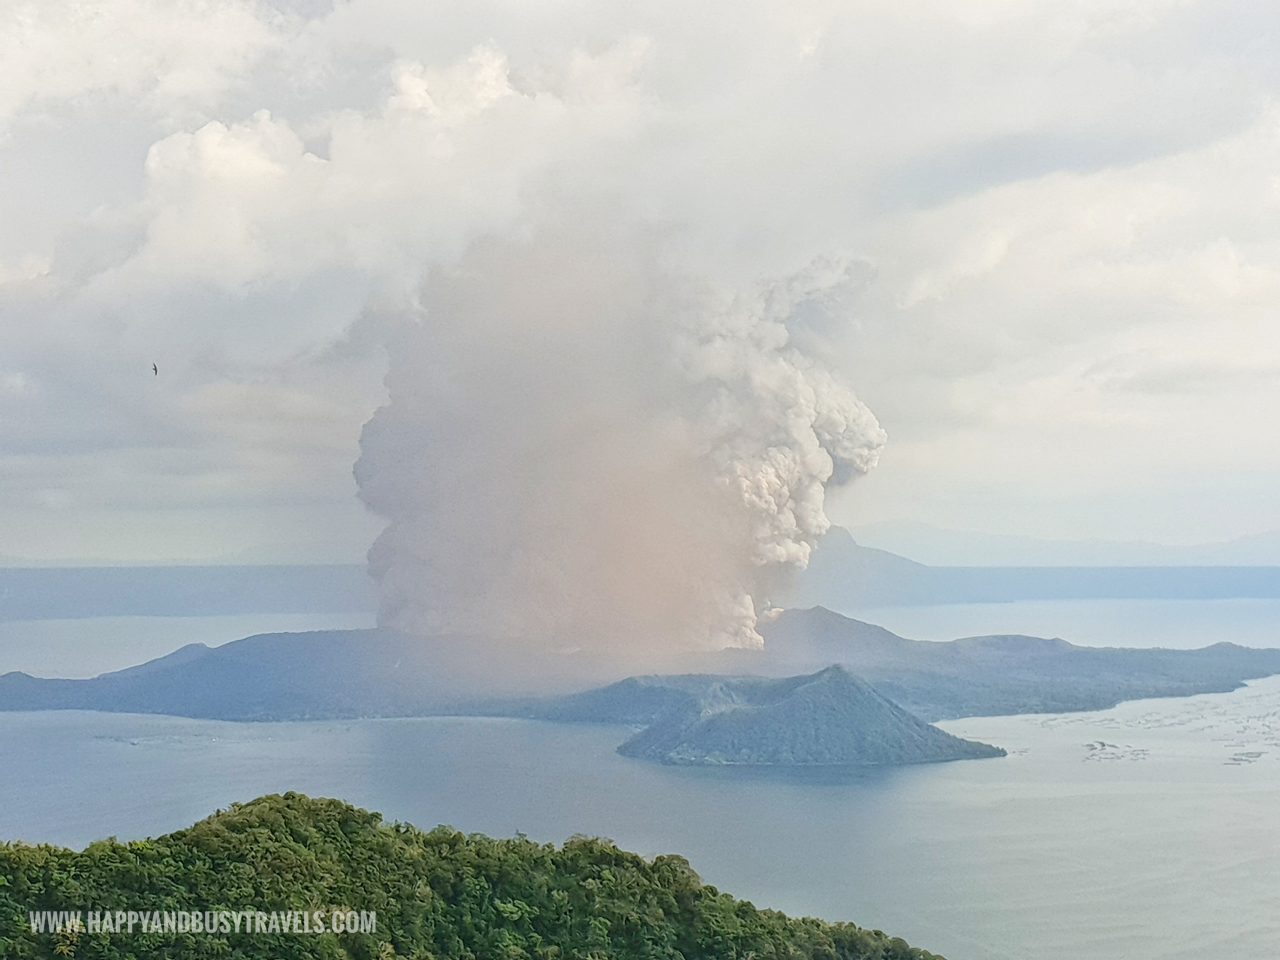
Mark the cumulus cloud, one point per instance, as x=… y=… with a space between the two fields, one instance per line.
x=1029 y=211
x=170 y=56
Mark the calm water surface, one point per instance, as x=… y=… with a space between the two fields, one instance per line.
x=1147 y=831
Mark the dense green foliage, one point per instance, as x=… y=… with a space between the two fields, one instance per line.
x=438 y=894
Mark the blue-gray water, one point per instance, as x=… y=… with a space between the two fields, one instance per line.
x=1147 y=831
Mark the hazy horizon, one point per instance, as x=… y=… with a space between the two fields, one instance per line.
x=915 y=540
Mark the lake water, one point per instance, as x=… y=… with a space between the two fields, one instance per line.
x=1143 y=832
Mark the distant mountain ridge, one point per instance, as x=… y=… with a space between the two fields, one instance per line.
x=940 y=546
x=370 y=673
x=279 y=676
x=829 y=718
x=994 y=675
x=845 y=574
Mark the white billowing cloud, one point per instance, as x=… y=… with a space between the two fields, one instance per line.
x=1151 y=265
x=1094 y=337
x=415 y=178
x=1059 y=216
x=171 y=56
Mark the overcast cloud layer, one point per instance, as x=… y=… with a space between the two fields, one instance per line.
x=1059 y=221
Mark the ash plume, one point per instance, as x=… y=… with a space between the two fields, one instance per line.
x=584 y=449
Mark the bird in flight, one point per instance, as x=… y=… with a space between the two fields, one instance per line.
x=155 y=371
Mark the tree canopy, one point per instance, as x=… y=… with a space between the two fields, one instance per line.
x=437 y=894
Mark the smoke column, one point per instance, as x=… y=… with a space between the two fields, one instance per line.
x=583 y=449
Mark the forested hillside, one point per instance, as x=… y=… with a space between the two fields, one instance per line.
x=438 y=894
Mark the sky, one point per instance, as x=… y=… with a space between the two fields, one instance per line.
x=1057 y=221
